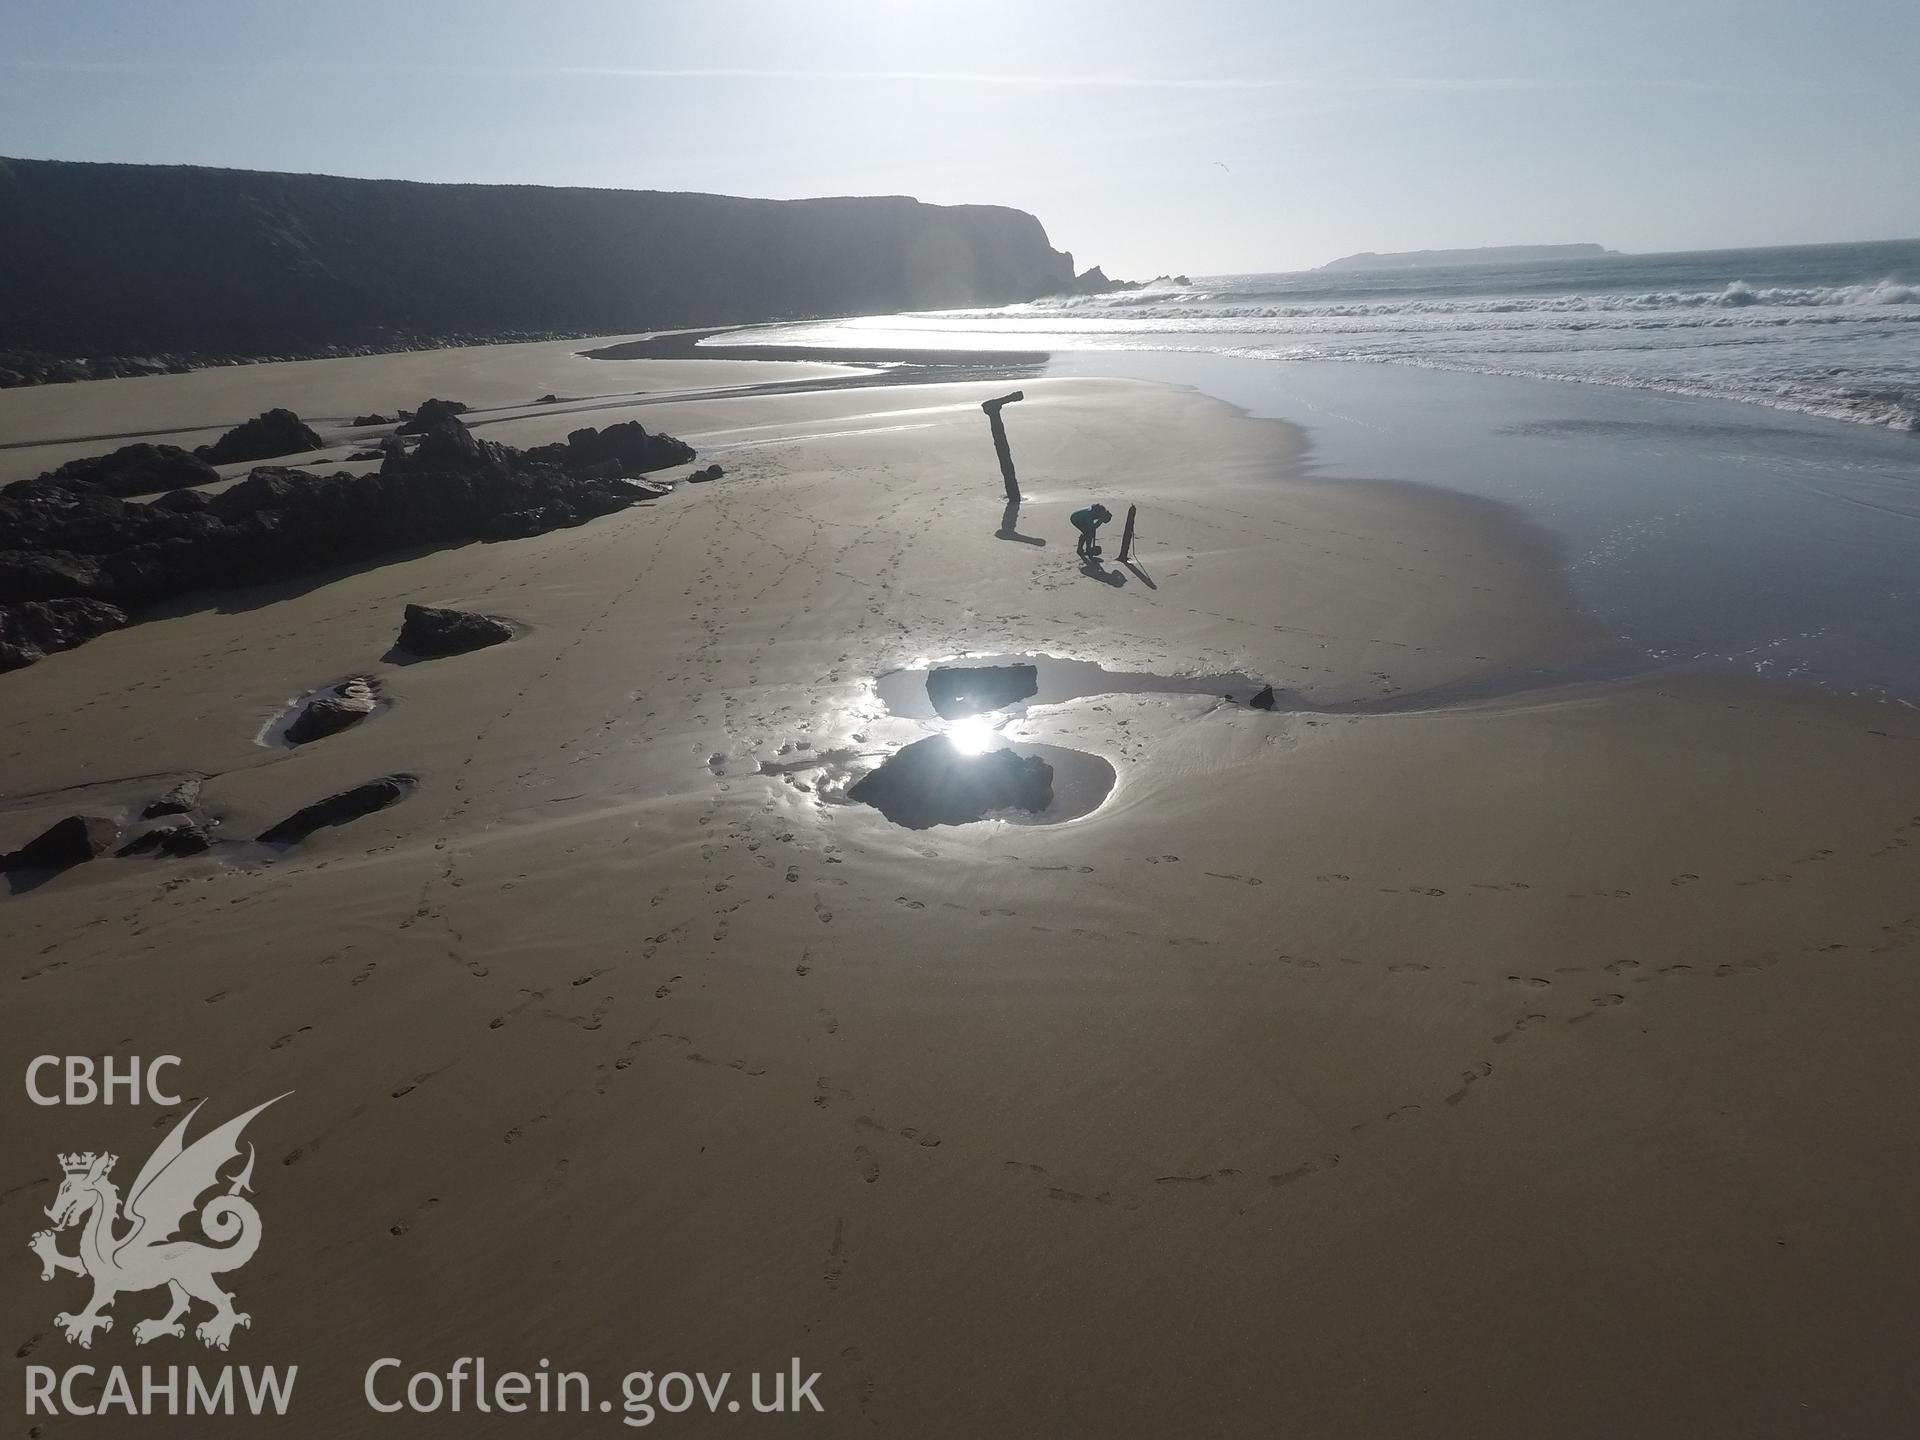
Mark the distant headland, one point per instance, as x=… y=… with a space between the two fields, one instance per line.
x=1484 y=255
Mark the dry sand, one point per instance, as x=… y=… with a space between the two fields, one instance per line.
x=1535 y=1059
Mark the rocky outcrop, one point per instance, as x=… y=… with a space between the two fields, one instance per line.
x=191 y=838
x=277 y=432
x=61 y=545
x=72 y=841
x=427 y=632
x=430 y=414
x=141 y=469
x=933 y=782
x=260 y=263
x=339 y=809
x=38 y=628
x=960 y=690
x=182 y=799
x=628 y=446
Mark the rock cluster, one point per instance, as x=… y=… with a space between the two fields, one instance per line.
x=60 y=544
x=277 y=432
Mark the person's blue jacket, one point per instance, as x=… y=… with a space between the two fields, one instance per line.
x=1089 y=519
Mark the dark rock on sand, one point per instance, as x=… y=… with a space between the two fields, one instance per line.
x=427 y=631
x=348 y=703
x=700 y=477
x=932 y=782
x=430 y=414
x=134 y=470
x=180 y=800
x=1263 y=698
x=628 y=446
x=970 y=690
x=277 y=432
x=187 y=839
x=36 y=629
x=339 y=809
x=72 y=841
x=548 y=399
x=373 y=420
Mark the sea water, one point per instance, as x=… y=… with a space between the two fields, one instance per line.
x=1830 y=330
x=1723 y=443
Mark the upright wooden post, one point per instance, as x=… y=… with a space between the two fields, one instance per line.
x=992 y=407
x=1126 y=535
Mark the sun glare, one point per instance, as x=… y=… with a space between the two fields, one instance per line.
x=974 y=735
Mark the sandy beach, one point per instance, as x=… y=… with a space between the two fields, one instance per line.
x=1495 y=1038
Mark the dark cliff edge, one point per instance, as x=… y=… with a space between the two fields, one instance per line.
x=99 y=259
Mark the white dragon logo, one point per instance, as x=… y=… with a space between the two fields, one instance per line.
x=147 y=1255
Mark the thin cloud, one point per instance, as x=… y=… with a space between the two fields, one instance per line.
x=1080 y=81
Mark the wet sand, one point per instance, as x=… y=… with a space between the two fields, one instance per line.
x=1525 y=1060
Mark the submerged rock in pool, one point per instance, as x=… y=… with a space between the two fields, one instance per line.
x=961 y=690
x=348 y=703
x=934 y=782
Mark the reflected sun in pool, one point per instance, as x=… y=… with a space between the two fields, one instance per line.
x=974 y=735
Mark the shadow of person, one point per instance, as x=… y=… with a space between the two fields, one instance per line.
x=1140 y=573
x=1094 y=570
x=1010 y=527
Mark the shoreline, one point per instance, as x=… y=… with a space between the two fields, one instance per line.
x=1322 y=1015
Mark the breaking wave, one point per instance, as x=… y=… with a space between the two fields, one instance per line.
x=1825 y=330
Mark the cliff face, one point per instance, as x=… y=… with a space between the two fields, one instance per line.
x=134 y=258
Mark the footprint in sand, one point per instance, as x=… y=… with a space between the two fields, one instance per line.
x=1301 y=1172
x=869 y=1167
x=1533 y=982
x=1523 y=1023
x=1467 y=1078
x=1599 y=1003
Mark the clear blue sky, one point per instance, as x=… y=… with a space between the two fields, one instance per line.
x=1204 y=137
